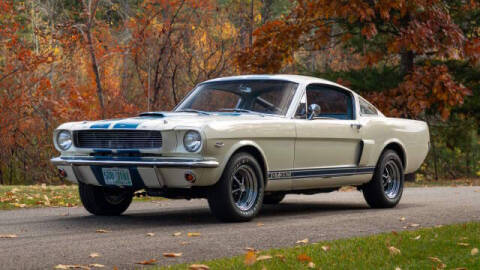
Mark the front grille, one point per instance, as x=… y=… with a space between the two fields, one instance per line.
x=117 y=139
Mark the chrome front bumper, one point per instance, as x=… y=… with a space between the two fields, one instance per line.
x=157 y=162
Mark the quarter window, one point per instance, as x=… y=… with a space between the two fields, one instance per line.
x=366 y=108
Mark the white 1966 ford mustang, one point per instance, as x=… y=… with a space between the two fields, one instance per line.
x=241 y=142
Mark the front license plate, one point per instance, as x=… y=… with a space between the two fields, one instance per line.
x=117 y=176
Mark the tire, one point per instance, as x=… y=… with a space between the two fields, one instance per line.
x=232 y=201
x=386 y=187
x=274 y=198
x=103 y=201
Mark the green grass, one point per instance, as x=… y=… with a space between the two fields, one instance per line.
x=437 y=248
x=12 y=197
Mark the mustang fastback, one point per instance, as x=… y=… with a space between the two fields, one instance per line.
x=242 y=142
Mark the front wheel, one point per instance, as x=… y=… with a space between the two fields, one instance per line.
x=238 y=195
x=386 y=187
x=104 y=201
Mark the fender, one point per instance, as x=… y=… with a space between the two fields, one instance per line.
x=402 y=148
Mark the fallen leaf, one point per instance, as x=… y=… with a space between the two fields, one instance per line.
x=398 y=268
x=394 y=233
x=417 y=237
x=172 y=254
x=263 y=257
x=250 y=257
x=102 y=231
x=402 y=218
x=193 y=234
x=393 y=250
x=250 y=249
x=474 y=251
x=184 y=243
x=94 y=255
x=177 y=234
x=304 y=241
x=8 y=236
x=96 y=265
x=311 y=265
x=304 y=258
x=414 y=225
x=326 y=248
x=150 y=234
x=198 y=267
x=435 y=259
x=440 y=265
x=280 y=256
x=72 y=266
x=463 y=244
x=148 y=262
x=260 y=224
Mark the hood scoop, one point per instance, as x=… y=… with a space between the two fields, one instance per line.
x=153 y=114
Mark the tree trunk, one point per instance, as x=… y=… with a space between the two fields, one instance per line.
x=266 y=10
x=407 y=61
x=95 y=71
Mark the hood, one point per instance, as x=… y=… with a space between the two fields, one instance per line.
x=162 y=121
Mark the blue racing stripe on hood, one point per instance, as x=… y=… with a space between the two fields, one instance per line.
x=106 y=125
x=126 y=125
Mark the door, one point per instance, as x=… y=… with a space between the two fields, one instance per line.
x=329 y=144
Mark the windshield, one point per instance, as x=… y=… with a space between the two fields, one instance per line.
x=246 y=96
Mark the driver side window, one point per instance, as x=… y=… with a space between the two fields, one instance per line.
x=334 y=103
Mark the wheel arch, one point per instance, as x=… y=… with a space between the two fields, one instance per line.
x=398 y=147
x=253 y=149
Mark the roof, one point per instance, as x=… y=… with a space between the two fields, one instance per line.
x=287 y=77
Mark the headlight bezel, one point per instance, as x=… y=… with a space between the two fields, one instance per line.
x=194 y=145
x=61 y=145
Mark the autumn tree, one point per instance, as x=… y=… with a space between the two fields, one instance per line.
x=399 y=33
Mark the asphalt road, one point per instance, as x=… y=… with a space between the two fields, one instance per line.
x=51 y=236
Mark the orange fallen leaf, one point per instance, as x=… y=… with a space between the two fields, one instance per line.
x=393 y=250
x=94 y=255
x=304 y=258
x=102 y=231
x=150 y=234
x=198 y=267
x=474 y=251
x=250 y=257
x=8 y=236
x=148 y=262
x=260 y=224
x=263 y=257
x=172 y=254
x=326 y=248
x=304 y=241
x=193 y=234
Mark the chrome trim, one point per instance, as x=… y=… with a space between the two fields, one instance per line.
x=164 y=162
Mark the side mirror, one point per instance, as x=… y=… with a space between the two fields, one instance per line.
x=314 y=110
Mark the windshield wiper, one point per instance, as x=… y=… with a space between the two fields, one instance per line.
x=240 y=110
x=194 y=111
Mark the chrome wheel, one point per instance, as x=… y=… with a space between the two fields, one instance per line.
x=244 y=188
x=391 y=179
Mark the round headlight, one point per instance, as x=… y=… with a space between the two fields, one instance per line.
x=64 y=140
x=192 y=141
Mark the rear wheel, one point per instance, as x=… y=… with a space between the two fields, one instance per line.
x=274 y=198
x=386 y=187
x=238 y=195
x=104 y=201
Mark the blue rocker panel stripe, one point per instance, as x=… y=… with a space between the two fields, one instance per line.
x=325 y=172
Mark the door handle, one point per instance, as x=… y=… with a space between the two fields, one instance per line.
x=356 y=125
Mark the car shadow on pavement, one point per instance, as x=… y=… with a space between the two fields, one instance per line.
x=200 y=215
